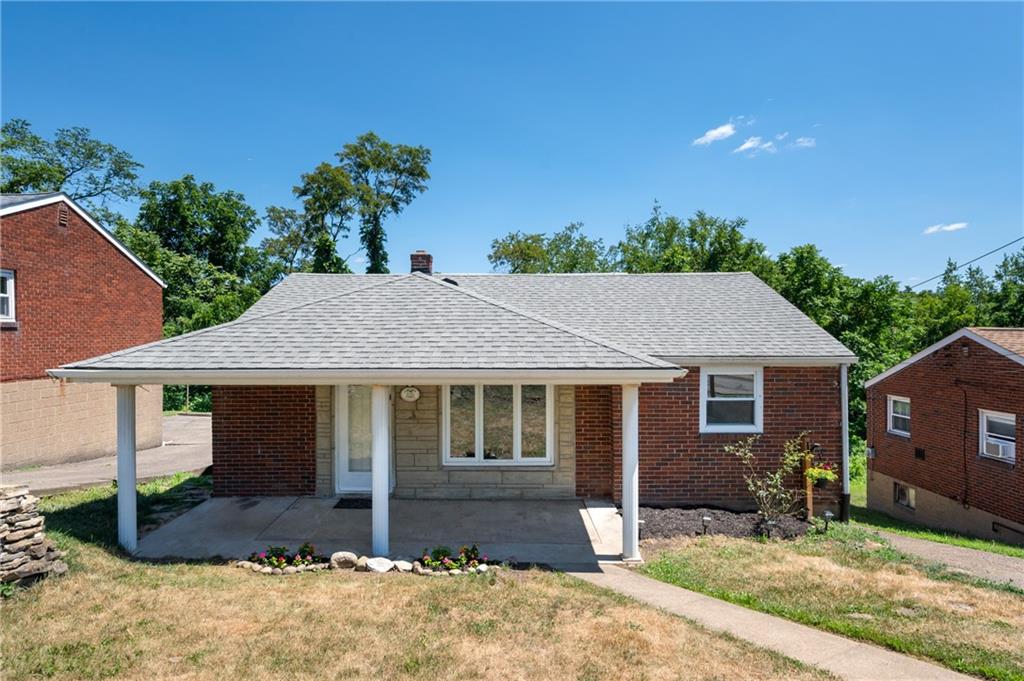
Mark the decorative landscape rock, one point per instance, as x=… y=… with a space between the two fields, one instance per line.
x=379 y=564
x=25 y=552
x=360 y=565
x=403 y=566
x=343 y=559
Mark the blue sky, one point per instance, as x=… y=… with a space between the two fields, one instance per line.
x=865 y=124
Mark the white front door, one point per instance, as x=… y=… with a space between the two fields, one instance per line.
x=352 y=438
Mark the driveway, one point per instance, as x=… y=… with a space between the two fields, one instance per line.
x=186 y=447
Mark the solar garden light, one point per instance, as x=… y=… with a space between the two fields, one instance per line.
x=770 y=525
x=705 y=521
x=828 y=518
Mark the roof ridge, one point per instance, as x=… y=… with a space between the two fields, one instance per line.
x=654 y=361
x=590 y=274
x=240 y=320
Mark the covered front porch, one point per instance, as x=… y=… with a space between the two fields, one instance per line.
x=552 y=532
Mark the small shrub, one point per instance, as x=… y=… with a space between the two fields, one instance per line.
x=279 y=557
x=768 y=487
x=441 y=558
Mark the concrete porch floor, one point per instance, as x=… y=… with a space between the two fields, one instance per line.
x=564 y=533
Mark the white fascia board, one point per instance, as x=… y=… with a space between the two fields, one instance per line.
x=957 y=335
x=10 y=210
x=761 y=361
x=365 y=376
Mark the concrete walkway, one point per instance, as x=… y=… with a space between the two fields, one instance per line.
x=186 y=448
x=994 y=567
x=843 y=657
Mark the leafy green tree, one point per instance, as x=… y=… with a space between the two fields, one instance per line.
x=73 y=162
x=198 y=294
x=702 y=243
x=290 y=245
x=325 y=258
x=193 y=218
x=568 y=250
x=1008 y=300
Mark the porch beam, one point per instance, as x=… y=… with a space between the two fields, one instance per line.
x=127 y=523
x=631 y=472
x=380 y=414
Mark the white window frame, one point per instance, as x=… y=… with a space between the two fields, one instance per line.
x=983 y=416
x=889 y=399
x=517 y=428
x=12 y=314
x=757 y=426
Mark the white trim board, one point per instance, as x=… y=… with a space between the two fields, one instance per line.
x=962 y=333
x=57 y=198
x=365 y=376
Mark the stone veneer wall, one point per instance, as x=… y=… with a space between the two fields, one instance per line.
x=419 y=473
x=43 y=421
x=324 y=440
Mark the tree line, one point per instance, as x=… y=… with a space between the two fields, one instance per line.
x=197 y=237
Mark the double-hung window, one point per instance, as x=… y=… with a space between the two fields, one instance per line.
x=498 y=424
x=6 y=296
x=731 y=399
x=898 y=409
x=997 y=435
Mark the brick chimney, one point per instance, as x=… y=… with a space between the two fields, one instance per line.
x=421 y=261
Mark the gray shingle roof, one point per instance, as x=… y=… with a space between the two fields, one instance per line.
x=10 y=200
x=696 y=315
x=412 y=322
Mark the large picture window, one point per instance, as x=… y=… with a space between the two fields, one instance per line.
x=998 y=435
x=731 y=399
x=498 y=424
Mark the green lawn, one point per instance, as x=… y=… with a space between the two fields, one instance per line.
x=852 y=583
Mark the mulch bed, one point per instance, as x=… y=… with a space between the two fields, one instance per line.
x=665 y=523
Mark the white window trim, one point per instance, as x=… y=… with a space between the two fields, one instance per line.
x=517 y=426
x=708 y=371
x=889 y=399
x=12 y=313
x=983 y=416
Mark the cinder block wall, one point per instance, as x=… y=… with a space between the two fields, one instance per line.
x=419 y=473
x=681 y=466
x=946 y=390
x=46 y=422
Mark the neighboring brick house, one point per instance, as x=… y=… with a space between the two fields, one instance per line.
x=944 y=434
x=68 y=290
x=467 y=386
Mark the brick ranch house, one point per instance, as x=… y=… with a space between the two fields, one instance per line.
x=68 y=290
x=943 y=430
x=469 y=386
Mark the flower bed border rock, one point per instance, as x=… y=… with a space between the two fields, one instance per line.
x=346 y=560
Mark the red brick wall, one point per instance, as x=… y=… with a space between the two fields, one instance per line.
x=264 y=440
x=946 y=390
x=678 y=465
x=76 y=295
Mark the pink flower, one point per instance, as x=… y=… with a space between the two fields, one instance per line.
x=263 y=554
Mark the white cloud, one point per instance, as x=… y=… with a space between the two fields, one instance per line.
x=781 y=136
x=945 y=227
x=754 y=145
x=805 y=142
x=715 y=134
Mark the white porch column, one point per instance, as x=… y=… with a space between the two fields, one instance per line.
x=127 y=524
x=630 y=472
x=380 y=410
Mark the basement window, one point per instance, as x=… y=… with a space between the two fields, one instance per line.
x=997 y=435
x=731 y=399
x=899 y=415
x=498 y=424
x=904 y=495
x=6 y=296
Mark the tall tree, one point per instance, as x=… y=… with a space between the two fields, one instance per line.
x=568 y=250
x=702 y=243
x=193 y=218
x=73 y=162
x=289 y=246
x=1008 y=300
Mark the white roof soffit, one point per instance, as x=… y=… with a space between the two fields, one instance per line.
x=962 y=333
x=57 y=198
x=363 y=376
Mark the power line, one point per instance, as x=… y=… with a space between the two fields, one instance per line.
x=983 y=255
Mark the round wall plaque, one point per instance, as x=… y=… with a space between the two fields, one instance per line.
x=410 y=393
